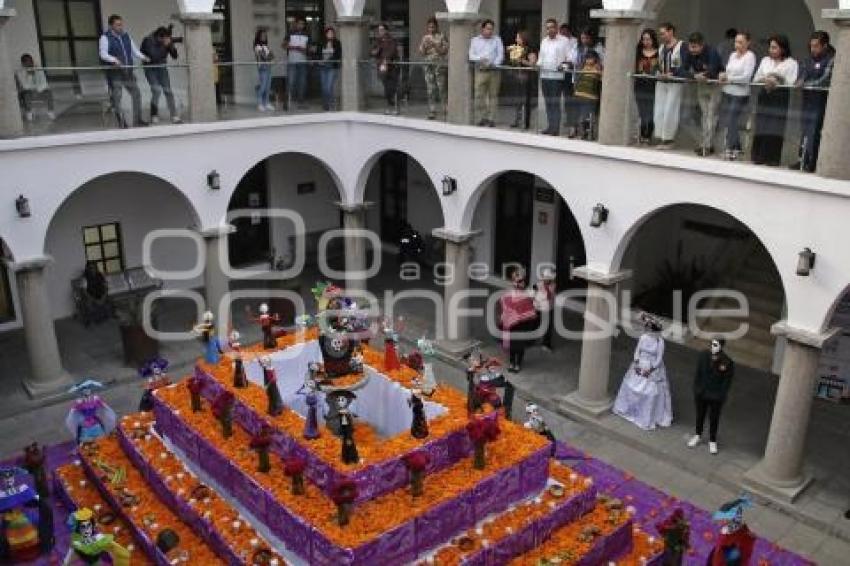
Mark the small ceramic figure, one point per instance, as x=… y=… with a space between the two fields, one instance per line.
x=309 y=389
x=419 y=424
x=390 y=346
x=275 y=406
x=427 y=382
x=154 y=372
x=20 y=540
x=206 y=331
x=240 y=380
x=91 y=548
x=536 y=423
x=267 y=320
x=736 y=542
x=89 y=418
x=342 y=400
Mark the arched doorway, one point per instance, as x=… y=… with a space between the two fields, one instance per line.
x=7 y=299
x=293 y=183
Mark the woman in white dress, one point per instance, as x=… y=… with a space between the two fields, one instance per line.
x=644 y=396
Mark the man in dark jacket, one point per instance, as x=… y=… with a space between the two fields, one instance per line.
x=815 y=77
x=704 y=64
x=715 y=371
x=158 y=47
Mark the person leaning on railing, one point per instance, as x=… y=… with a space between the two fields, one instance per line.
x=264 y=56
x=668 y=94
x=158 y=47
x=331 y=55
x=118 y=49
x=588 y=90
x=522 y=55
x=434 y=48
x=385 y=52
x=776 y=70
x=553 y=61
x=486 y=52
x=815 y=78
x=587 y=43
x=736 y=93
x=703 y=65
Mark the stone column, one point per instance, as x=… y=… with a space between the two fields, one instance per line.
x=46 y=373
x=199 y=57
x=352 y=36
x=592 y=398
x=461 y=28
x=835 y=138
x=456 y=331
x=11 y=124
x=622 y=32
x=780 y=473
x=216 y=282
x=354 y=219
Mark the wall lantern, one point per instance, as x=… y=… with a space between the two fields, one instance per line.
x=600 y=216
x=214 y=180
x=805 y=262
x=449 y=186
x=22 y=205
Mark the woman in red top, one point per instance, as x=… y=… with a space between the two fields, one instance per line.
x=518 y=318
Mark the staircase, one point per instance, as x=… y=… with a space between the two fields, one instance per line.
x=757 y=279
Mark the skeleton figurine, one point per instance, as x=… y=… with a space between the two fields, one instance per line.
x=267 y=320
x=240 y=380
x=427 y=382
x=275 y=406
x=536 y=423
x=340 y=419
x=309 y=390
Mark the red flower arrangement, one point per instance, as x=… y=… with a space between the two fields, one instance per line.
x=413 y=360
x=676 y=532
x=294 y=468
x=222 y=408
x=195 y=385
x=481 y=431
x=416 y=462
x=261 y=443
x=343 y=495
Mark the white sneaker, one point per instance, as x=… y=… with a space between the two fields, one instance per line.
x=692 y=443
x=29 y=116
x=261 y=107
x=269 y=108
x=712 y=447
x=51 y=115
x=176 y=120
x=154 y=119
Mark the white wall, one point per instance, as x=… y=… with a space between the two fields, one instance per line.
x=117 y=198
x=285 y=173
x=23 y=37
x=423 y=203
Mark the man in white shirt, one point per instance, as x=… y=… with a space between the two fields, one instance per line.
x=552 y=60
x=297 y=46
x=118 y=49
x=32 y=84
x=486 y=51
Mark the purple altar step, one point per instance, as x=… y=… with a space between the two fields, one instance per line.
x=373 y=480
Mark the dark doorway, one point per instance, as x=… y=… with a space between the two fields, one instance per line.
x=251 y=243
x=7 y=306
x=223 y=47
x=514 y=220
x=393 y=183
x=521 y=15
x=580 y=15
x=570 y=249
x=396 y=13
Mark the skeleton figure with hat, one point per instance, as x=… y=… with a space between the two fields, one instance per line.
x=536 y=423
x=735 y=544
x=154 y=373
x=340 y=419
x=89 y=417
x=91 y=548
x=267 y=321
x=427 y=382
x=715 y=370
x=19 y=540
x=240 y=380
x=206 y=331
x=275 y=401
x=310 y=390
x=644 y=396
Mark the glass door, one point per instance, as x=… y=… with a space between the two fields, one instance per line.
x=68 y=33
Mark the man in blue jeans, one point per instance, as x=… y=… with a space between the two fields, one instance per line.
x=297 y=46
x=158 y=47
x=815 y=76
x=552 y=60
x=117 y=48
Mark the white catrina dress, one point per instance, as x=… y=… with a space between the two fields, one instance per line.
x=645 y=400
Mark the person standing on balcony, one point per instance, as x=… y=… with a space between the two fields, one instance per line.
x=587 y=95
x=434 y=48
x=522 y=56
x=815 y=77
x=704 y=65
x=331 y=53
x=118 y=49
x=297 y=46
x=32 y=84
x=736 y=92
x=572 y=42
x=587 y=43
x=158 y=47
x=776 y=71
x=264 y=56
x=646 y=63
x=553 y=63
x=385 y=52
x=668 y=93
x=726 y=47
x=486 y=52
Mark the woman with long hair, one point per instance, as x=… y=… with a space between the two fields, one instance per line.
x=522 y=55
x=331 y=54
x=736 y=92
x=434 y=48
x=264 y=57
x=777 y=70
x=646 y=63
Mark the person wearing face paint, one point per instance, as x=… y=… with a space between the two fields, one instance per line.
x=644 y=396
x=715 y=370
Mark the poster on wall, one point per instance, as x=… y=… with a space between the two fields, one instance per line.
x=834 y=369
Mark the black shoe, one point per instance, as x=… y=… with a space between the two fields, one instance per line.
x=847 y=514
x=512 y=368
x=491 y=123
x=482 y=123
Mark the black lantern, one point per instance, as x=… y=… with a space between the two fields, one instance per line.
x=805 y=262
x=600 y=216
x=449 y=186
x=22 y=205
x=214 y=180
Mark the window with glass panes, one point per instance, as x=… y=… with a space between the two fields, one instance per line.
x=103 y=246
x=68 y=32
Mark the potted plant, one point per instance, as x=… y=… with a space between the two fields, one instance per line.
x=138 y=345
